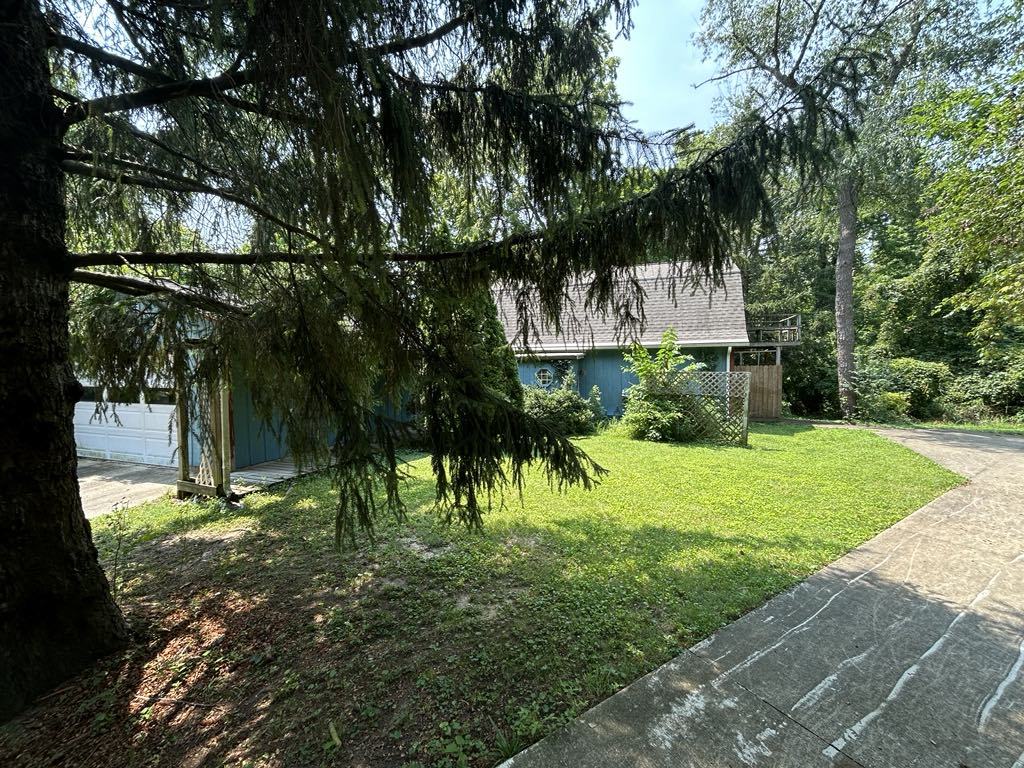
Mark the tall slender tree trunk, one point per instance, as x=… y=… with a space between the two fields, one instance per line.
x=56 y=612
x=847 y=200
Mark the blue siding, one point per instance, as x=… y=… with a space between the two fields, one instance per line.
x=604 y=368
x=255 y=441
x=528 y=370
x=396 y=411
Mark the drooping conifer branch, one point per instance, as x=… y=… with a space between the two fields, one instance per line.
x=103 y=56
x=420 y=41
x=120 y=124
x=191 y=258
x=160 y=94
x=168 y=181
x=213 y=87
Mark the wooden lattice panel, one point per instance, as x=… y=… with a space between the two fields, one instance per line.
x=716 y=408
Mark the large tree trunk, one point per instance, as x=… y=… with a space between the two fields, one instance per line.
x=56 y=612
x=847 y=199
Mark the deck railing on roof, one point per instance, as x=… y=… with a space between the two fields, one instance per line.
x=776 y=329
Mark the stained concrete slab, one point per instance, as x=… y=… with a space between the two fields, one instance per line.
x=907 y=652
x=105 y=484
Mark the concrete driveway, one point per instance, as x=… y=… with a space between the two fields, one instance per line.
x=104 y=484
x=906 y=653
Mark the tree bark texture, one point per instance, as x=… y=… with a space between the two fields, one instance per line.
x=845 y=369
x=56 y=612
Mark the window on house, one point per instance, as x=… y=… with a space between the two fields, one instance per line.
x=754 y=357
x=544 y=377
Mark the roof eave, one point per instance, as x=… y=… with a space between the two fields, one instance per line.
x=578 y=350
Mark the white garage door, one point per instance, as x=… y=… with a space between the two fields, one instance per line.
x=145 y=433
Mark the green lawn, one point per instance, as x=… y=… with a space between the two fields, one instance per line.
x=1004 y=426
x=999 y=426
x=434 y=646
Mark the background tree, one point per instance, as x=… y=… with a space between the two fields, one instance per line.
x=885 y=49
x=973 y=224
x=265 y=171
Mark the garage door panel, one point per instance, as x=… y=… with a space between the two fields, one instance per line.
x=127 y=447
x=160 y=451
x=142 y=436
x=126 y=415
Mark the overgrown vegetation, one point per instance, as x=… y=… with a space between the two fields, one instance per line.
x=563 y=409
x=894 y=389
x=437 y=646
x=662 y=405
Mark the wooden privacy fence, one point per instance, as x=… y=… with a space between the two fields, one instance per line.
x=765 y=390
x=717 y=405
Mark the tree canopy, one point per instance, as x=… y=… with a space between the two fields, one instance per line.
x=278 y=174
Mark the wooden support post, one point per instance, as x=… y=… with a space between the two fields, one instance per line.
x=226 y=457
x=181 y=393
x=216 y=453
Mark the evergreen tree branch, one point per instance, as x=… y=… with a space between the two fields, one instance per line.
x=103 y=56
x=140 y=286
x=420 y=41
x=194 y=258
x=120 y=124
x=170 y=182
x=210 y=87
x=205 y=87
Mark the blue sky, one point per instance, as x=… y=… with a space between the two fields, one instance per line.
x=660 y=66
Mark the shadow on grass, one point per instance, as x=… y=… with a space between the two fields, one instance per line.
x=261 y=644
x=261 y=639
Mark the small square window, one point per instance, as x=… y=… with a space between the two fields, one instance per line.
x=544 y=377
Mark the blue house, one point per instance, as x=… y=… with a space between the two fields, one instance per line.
x=709 y=319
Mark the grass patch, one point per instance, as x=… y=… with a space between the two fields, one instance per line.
x=998 y=426
x=435 y=646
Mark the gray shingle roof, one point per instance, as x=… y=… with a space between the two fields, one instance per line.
x=702 y=315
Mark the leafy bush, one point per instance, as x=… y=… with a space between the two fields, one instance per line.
x=563 y=409
x=923 y=383
x=661 y=406
x=995 y=393
x=929 y=390
x=893 y=405
x=898 y=388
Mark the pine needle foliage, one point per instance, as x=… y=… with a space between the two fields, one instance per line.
x=270 y=170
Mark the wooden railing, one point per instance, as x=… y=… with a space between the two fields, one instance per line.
x=781 y=330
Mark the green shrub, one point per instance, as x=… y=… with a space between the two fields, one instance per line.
x=563 y=409
x=894 y=405
x=965 y=410
x=922 y=382
x=991 y=394
x=661 y=406
x=899 y=388
x=1005 y=389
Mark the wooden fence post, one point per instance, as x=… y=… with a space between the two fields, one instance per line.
x=225 y=436
x=181 y=394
